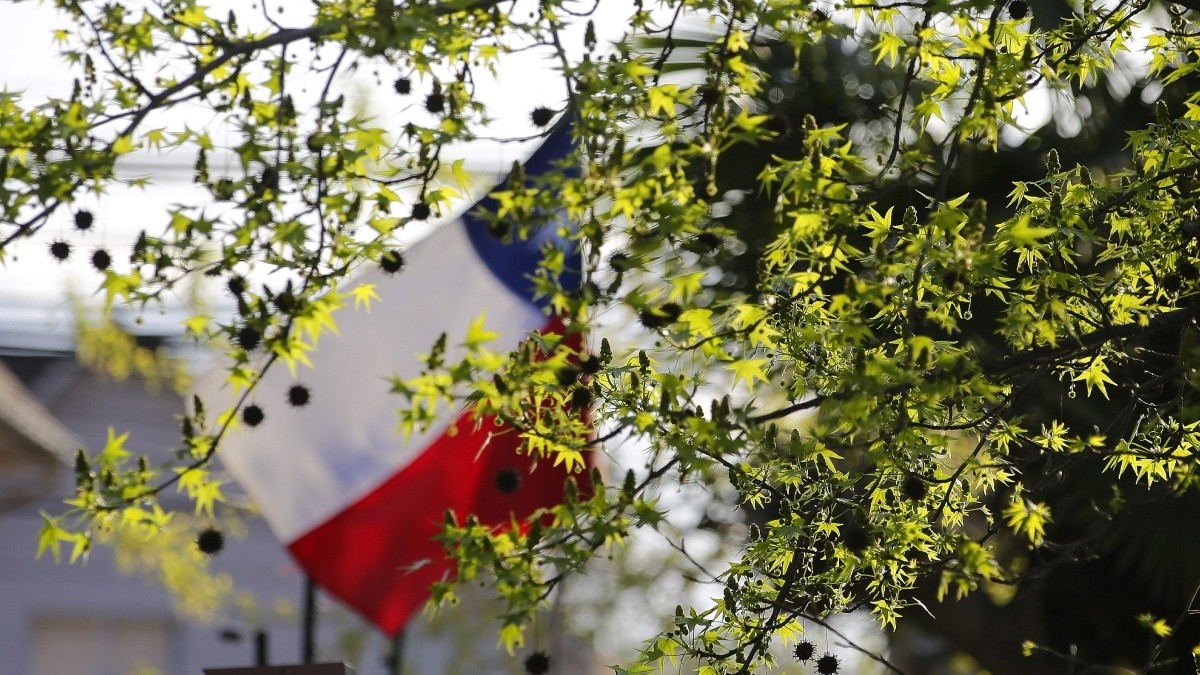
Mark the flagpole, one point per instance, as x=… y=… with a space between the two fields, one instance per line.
x=261 y=658
x=398 y=653
x=308 y=644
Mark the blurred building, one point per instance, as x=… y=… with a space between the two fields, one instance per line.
x=89 y=619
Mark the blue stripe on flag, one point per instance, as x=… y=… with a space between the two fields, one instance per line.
x=516 y=263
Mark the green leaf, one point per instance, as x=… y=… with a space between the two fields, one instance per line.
x=364 y=294
x=114 y=447
x=477 y=334
x=461 y=178
x=1095 y=376
x=49 y=537
x=123 y=145
x=1021 y=233
x=197 y=326
x=662 y=99
x=749 y=371
x=511 y=638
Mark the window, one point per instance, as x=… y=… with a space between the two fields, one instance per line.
x=94 y=646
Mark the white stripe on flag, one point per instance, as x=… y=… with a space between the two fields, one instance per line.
x=306 y=465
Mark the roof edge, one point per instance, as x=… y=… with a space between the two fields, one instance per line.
x=31 y=421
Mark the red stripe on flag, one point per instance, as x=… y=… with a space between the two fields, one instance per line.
x=379 y=555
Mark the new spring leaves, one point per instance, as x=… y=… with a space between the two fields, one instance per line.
x=856 y=360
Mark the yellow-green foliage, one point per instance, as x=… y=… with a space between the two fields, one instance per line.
x=853 y=369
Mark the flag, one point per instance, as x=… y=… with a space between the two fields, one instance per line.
x=356 y=503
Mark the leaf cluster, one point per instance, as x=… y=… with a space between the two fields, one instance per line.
x=871 y=390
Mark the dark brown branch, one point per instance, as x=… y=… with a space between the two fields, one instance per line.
x=1173 y=320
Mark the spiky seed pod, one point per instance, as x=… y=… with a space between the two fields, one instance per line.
x=101 y=259
x=537 y=663
x=1018 y=9
x=391 y=261
x=658 y=317
x=589 y=365
x=507 y=481
x=249 y=338
x=541 y=116
x=828 y=664
x=403 y=85
x=285 y=301
x=269 y=179
x=651 y=319
x=61 y=250
x=84 y=220
x=855 y=538
x=210 y=541
x=567 y=375
x=708 y=240
x=435 y=102
x=298 y=396
x=253 y=415
x=914 y=488
x=421 y=211
x=804 y=651
x=581 y=398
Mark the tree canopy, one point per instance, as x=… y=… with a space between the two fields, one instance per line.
x=916 y=285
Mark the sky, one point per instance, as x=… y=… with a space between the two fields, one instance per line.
x=35 y=290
